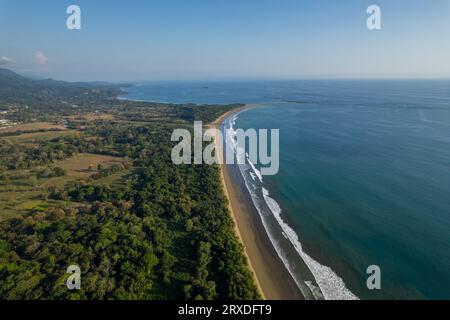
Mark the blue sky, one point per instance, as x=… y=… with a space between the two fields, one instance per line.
x=225 y=39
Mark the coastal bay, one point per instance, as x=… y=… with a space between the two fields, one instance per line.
x=354 y=183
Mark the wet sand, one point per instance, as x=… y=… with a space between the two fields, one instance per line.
x=272 y=277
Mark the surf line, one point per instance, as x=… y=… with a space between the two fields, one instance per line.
x=258 y=144
x=330 y=285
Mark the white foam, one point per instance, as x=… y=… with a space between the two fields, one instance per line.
x=256 y=171
x=314 y=290
x=241 y=155
x=330 y=284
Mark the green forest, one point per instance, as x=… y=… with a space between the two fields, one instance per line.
x=138 y=226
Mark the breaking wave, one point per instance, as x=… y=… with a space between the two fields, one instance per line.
x=329 y=285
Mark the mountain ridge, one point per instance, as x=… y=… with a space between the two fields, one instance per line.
x=17 y=89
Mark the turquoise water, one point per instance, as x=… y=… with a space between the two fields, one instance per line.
x=364 y=173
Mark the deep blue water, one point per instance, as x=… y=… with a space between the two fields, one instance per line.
x=364 y=172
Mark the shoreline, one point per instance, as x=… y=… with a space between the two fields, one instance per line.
x=273 y=280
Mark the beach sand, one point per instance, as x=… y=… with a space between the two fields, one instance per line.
x=272 y=278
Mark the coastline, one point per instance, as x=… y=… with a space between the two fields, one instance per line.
x=271 y=276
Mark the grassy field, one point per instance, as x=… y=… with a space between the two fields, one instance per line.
x=34 y=126
x=78 y=166
x=23 y=191
x=92 y=117
x=36 y=137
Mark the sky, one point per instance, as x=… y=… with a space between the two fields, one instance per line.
x=140 y=40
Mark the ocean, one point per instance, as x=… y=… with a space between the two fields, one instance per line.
x=364 y=179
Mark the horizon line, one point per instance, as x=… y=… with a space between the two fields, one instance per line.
x=241 y=79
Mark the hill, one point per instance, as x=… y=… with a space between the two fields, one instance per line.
x=16 y=89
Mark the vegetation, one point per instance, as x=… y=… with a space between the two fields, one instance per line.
x=110 y=200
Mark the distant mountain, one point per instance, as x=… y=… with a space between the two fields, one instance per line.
x=9 y=78
x=15 y=88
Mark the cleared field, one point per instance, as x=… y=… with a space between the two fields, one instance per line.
x=26 y=192
x=34 y=126
x=37 y=137
x=78 y=166
x=92 y=117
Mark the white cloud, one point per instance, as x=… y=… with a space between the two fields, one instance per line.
x=40 y=58
x=5 y=60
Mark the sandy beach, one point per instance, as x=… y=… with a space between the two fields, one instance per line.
x=272 y=278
